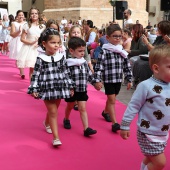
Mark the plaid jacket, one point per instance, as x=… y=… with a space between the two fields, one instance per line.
x=81 y=75
x=110 y=67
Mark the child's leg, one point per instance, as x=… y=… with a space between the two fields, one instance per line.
x=84 y=118
x=66 y=120
x=83 y=113
x=144 y=163
x=156 y=162
x=30 y=73
x=52 y=112
x=68 y=109
x=110 y=107
x=47 y=115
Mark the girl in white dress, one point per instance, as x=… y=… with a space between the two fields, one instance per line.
x=30 y=34
x=15 y=43
x=5 y=33
x=1 y=41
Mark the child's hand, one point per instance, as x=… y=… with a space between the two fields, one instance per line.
x=129 y=85
x=125 y=134
x=35 y=95
x=98 y=85
x=167 y=38
x=71 y=92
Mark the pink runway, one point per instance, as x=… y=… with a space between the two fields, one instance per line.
x=24 y=144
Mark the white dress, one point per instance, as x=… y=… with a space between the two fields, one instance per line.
x=15 y=44
x=28 y=54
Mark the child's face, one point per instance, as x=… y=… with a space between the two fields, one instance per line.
x=34 y=15
x=162 y=70
x=124 y=35
x=78 y=52
x=54 y=26
x=115 y=38
x=52 y=46
x=76 y=32
x=20 y=17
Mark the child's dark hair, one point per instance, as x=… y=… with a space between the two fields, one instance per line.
x=47 y=35
x=76 y=42
x=128 y=32
x=112 y=28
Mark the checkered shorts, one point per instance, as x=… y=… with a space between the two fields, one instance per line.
x=148 y=147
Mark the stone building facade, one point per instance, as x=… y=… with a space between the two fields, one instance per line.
x=98 y=11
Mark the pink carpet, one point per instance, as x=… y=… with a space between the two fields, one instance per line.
x=24 y=144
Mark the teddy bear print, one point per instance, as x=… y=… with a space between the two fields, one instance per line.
x=150 y=100
x=165 y=128
x=158 y=114
x=157 y=89
x=145 y=123
x=167 y=103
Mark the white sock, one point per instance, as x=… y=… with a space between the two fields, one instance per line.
x=146 y=168
x=142 y=166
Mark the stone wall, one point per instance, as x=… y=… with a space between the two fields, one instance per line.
x=99 y=11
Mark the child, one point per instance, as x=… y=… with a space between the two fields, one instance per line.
x=16 y=44
x=80 y=74
x=30 y=34
x=1 y=38
x=5 y=33
x=127 y=38
x=76 y=31
x=111 y=64
x=50 y=80
x=150 y=100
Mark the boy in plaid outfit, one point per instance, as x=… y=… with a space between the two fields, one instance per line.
x=80 y=74
x=112 y=63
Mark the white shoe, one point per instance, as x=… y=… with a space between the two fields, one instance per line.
x=56 y=142
x=47 y=128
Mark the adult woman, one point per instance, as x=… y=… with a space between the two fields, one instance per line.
x=137 y=45
x=141 y=70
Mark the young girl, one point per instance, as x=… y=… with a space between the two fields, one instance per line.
x=30 y=34
x=16 y=44
x=75 y=31
x=150 y=100
x=5 y=33
x=110 y=66
x=50 y=80
x=52 y=24
x=126 y=38
x=1 y=38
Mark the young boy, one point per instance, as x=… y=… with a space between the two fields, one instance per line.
x=152 y=103
x=111 y=64
x=80 y=74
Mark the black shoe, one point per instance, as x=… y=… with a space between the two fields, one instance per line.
x=106 y=116
x=89 y=131
x=67 y=124
x=115 y=127
x=76 y=107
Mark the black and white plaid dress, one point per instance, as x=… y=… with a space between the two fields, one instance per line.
x=51 y=78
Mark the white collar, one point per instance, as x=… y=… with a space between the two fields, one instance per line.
x=57 y=57
x=75 y=61
x=116 y=49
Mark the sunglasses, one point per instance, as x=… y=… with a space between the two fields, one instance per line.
x=124 y=13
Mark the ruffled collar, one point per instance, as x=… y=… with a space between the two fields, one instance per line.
x=57 y=57
x=75 y=61
x=115 y=49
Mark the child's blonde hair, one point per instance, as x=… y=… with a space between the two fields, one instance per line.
x=158 y=53
x=71 y=30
